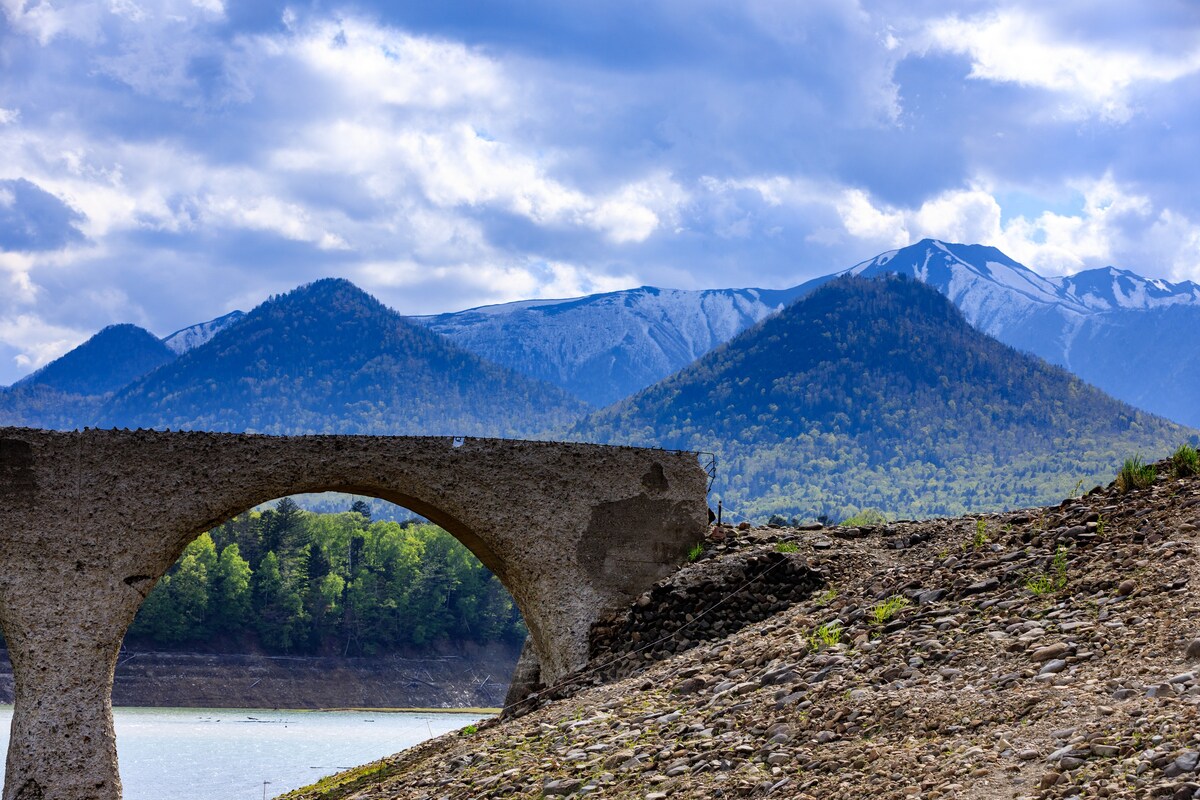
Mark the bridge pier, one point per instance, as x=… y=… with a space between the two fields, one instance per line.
x=62 y=741
x=89 y=521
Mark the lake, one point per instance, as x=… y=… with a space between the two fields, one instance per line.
x=229 y=754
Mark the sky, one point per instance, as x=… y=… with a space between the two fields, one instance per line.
x=163 y=162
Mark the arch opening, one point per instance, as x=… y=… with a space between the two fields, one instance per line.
x=330 y=590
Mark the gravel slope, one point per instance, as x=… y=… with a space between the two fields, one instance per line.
x=973 y=685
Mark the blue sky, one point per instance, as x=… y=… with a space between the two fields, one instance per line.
x=164 y=162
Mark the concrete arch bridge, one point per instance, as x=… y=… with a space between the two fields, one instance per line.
x=90 y=520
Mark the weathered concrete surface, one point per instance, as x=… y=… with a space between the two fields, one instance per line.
x=90 y=520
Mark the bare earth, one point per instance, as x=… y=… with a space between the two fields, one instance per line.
x=978 y=687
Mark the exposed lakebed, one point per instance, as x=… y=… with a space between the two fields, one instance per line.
x=227 y=754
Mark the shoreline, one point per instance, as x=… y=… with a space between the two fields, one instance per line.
x=443 y=677
x=467 y=710
x=417 y=710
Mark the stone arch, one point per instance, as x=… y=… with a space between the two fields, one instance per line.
x=92 y=519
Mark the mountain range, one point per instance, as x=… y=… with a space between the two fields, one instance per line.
x=328 y=357
x=1105 y=325
x=1133 y=337
x=325 y=358
x=879 y=393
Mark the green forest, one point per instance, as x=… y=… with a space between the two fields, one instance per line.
x=285 y=580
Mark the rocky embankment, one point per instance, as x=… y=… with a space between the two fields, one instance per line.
x=464 y=676
x=1045 y=653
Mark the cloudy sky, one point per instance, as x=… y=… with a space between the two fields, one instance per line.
x=165 y=161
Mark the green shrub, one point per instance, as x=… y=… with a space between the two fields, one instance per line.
x=696 y=551
x=867 y=518
x=981 y=538
x=1185 y=462
x=787 y=547
x=1135 y=474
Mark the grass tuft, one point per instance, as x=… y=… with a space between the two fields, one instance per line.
x=980 y=539
x=1135 y=474
x=883 y=611
x=1185 y=461
x=826 y=635
x=1055 y=580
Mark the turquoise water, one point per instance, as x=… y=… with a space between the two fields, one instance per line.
x=232 y=754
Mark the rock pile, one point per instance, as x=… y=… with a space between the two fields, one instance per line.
x=1046 y=654
x=700 y=603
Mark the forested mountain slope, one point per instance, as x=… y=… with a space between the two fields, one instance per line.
x=878 y=393
x=1133 y=337
x=329 y=358
x=104 y=363
x=67 y=391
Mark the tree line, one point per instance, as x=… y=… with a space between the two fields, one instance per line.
x=285 y=580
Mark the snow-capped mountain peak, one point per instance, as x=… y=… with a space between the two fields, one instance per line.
x=992 y=290
x=954 y=268
x=1110 y=288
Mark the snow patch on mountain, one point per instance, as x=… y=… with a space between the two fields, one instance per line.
x=605 y=347
x=193 y=336
x=1109 y=288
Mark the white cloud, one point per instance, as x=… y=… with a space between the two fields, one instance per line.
x=41 y=20
x=22 y=328
x=214 y=7
x=372 y=64
x=969 y=215
x=455 y=166
x=635 y=211
x=9 y=115
x=265 y=213
x=16 y=268
x=451 y=287
x=37 y=341
x=128 y=9
x=1013 y=46
x=863 y=220
x=88 y=20
x=1116 y=226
